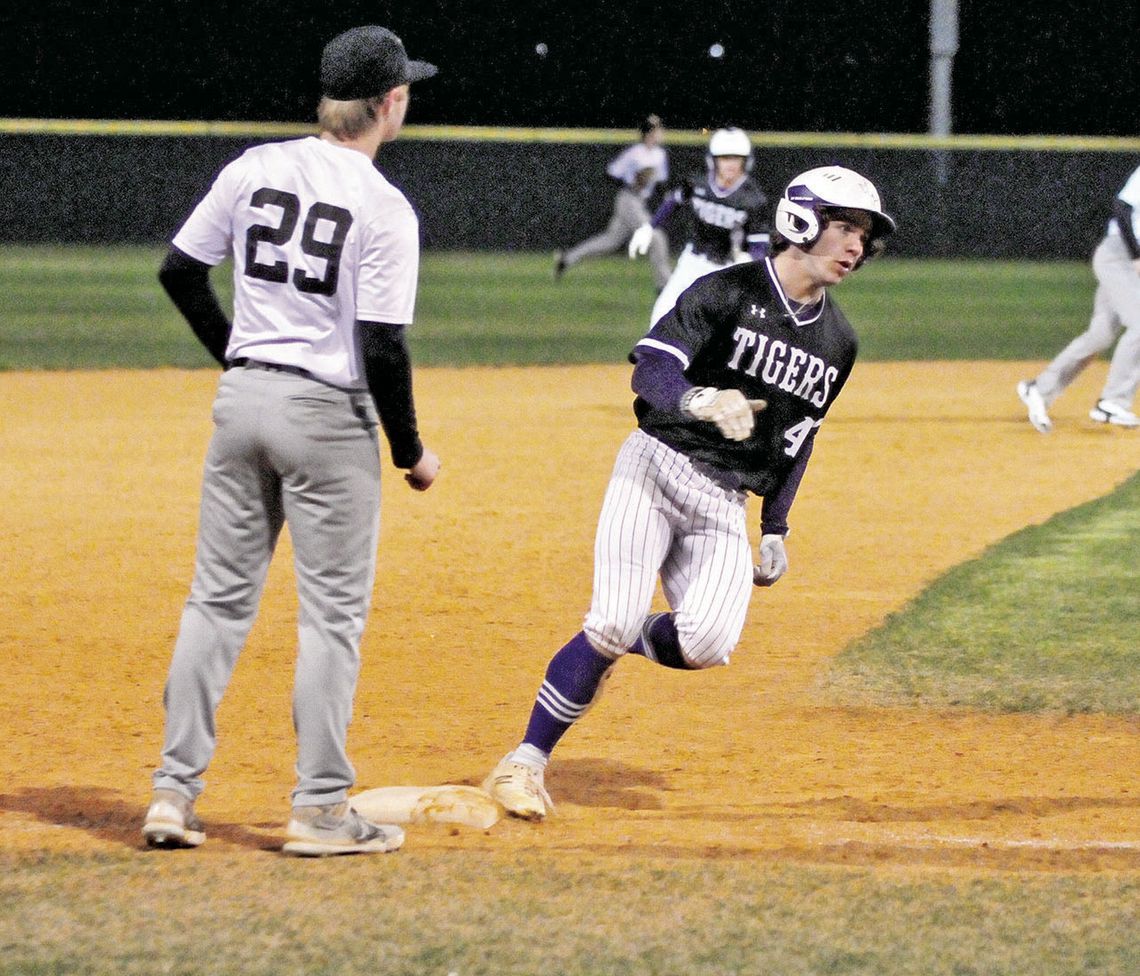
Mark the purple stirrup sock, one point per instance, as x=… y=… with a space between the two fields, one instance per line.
x=659 y=642
x=572 y=679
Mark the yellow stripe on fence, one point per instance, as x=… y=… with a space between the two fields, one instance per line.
x=465 y=133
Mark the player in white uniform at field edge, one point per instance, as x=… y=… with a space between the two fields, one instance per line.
x=728 y=215
x=731 y=385
x=1116 y=310
x=637 y=170
x=325 y=262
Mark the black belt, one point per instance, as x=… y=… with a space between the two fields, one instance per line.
x=271 y=367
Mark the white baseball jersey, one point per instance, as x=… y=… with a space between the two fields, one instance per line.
x=1130 y=194
x=627 y=164
x=319 y=239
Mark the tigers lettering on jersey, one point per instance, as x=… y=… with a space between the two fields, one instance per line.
x=783 y=365
x=717 y=214
x=724 y=221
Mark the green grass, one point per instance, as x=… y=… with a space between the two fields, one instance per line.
x=102 y=307
x=1047 y=619
x=76 y=308
x=473 y=914
x=924 y=310
x=507 y=309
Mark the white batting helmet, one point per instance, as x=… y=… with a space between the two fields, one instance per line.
x=730 y=142
x=799 y=217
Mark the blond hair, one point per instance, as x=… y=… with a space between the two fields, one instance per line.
x=347 y=120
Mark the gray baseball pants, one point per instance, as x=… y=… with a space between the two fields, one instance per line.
x=629 y=213
x=1116 y=309
x=285 y=449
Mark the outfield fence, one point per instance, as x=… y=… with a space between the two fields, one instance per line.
x=108 y=182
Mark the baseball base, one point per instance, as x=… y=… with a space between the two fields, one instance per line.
x=466 y=805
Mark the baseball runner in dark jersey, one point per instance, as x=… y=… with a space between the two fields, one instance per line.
x=729 y=217
x=325 y=256
x=731 y=386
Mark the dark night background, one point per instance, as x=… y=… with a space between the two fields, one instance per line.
x=788 y=65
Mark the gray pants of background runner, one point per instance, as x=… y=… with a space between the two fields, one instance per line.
x=285 y=449
x=629 y=213
x=1116 y=307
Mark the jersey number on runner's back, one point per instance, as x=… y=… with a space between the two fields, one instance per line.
x=329 y=250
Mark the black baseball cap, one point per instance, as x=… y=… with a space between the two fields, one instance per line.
x=367 y=62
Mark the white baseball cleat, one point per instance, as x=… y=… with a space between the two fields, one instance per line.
x=323 y=831
x=519 y=789
x=1107 y=412
x=171 y=822
x=1035 y=405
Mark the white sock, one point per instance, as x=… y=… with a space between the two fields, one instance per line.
x=529 y=755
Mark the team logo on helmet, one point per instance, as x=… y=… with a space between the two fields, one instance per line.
x=799 y=213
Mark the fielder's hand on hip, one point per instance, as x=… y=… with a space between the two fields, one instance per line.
x=424 y=471
x=773 y=560
x=640 y=241
x=732 y=412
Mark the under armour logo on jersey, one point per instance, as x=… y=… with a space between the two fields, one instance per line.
x=757 y=310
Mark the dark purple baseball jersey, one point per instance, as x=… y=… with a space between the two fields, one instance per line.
x=722 y=223
x=736 y=329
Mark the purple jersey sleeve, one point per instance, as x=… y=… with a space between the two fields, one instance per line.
x=658 y=378
x=778 y=502
x=668 y=205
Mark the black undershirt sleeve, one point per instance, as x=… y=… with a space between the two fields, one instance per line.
x=187 y=282
x=1123 y=214
x=388 y=371
x=659 y=379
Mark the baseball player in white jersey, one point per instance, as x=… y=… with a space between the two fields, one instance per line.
x=637 y=170
x=729 y=220
x=1116 y=310
x=325 y=260
x=731 y=385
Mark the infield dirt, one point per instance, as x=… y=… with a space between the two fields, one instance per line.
x=920 y=467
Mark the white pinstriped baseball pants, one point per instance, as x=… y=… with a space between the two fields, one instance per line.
x=661 y=516
x=689 y=267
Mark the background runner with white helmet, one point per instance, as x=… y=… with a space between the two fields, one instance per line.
x=728 y=217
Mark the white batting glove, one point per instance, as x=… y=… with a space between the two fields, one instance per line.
x=732 y=412
x=773 y=560
x=640 y=241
